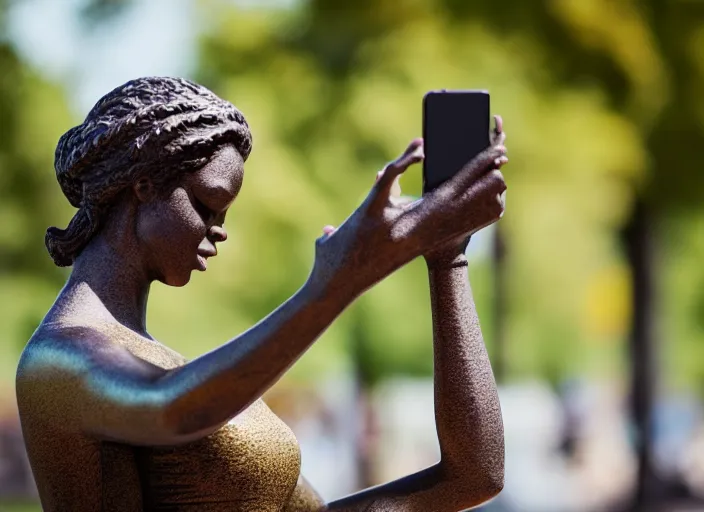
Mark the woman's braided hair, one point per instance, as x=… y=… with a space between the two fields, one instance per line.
x=154 y=126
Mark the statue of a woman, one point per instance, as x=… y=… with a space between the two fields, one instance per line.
x=114 y=420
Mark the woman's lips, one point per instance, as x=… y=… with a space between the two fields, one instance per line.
x=202 y=263
x=203 y=253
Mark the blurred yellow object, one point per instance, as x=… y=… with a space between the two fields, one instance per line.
x=607 y=310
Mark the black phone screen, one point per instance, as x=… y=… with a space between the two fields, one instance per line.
x=455 y=130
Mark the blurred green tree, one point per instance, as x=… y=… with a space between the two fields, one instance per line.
x=603 y=89
x=334 y=91
x=334 y=94
x=33 y=115
x=647 y=59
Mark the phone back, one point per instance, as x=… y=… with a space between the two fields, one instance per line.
x=455 y=130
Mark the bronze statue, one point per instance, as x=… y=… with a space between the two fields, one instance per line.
x=114 y=420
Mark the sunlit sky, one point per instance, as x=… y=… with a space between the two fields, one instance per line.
x=155 y=37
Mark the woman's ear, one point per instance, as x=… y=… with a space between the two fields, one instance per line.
x=144 y=190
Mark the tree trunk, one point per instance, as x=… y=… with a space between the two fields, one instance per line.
x=365 y=431
x=638 y=241
x=499 y=342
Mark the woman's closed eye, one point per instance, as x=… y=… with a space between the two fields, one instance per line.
x=205 y=213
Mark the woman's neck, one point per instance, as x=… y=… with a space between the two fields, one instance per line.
x=105 y=275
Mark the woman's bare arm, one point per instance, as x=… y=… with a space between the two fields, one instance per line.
x=467 y=412
x=100 y=388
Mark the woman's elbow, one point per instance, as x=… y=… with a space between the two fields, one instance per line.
x=477 y=484
x=492 y=484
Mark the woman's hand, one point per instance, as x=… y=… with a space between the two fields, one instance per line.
x=386 y=232
x=454 y=250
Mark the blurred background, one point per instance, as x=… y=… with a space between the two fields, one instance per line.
x=590 y=291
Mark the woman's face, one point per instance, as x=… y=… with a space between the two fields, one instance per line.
x=178 y=232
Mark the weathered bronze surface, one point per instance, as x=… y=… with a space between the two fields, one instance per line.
x=114 y=420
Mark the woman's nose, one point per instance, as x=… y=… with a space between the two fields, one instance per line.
x=217 y=234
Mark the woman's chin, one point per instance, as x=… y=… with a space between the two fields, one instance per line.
x=177 y=280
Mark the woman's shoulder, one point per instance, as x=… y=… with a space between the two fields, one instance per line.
x=57 y=349
x=65 y=351
x=52 y=341
x=67 y=373
x=55 y=359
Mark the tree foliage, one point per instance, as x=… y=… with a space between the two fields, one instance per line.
x=333 y=94
x=32 y=116
x=602 y=106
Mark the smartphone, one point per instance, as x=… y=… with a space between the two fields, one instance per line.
x=455 y=130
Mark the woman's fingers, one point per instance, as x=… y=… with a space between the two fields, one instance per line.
x=469 y=210
x=390 y=173
x=488 y=196
x=491 y=158
x=387 y=186
x=497 y=135
x=395 y=190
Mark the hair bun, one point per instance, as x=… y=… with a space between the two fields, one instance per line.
x=64 y=163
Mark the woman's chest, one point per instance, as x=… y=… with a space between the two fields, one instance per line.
x=252 y=463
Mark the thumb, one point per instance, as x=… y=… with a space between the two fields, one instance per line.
x=387 y=178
